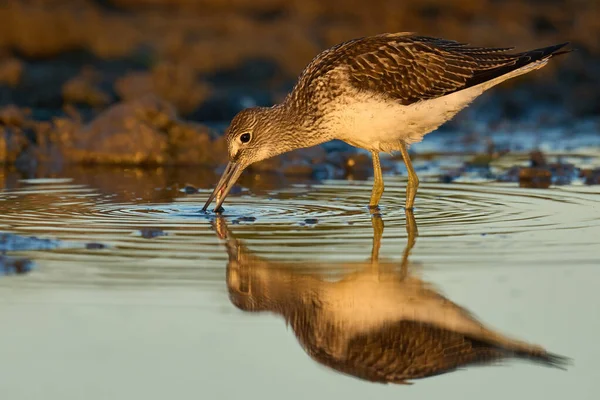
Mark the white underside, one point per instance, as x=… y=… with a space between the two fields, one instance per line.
x=367 y=121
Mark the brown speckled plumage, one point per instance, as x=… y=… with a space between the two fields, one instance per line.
x=380 y=93
x=405 y=67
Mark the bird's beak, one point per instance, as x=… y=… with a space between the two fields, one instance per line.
x=230 y=176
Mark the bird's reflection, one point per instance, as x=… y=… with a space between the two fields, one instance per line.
x=380 y=322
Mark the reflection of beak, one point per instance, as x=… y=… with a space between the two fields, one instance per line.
x=232 y=244
x=230 y=175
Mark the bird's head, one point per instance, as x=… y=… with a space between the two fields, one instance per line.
x=250 y=136
x=254 y=134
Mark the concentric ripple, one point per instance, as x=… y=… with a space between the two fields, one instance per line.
x=459 y=224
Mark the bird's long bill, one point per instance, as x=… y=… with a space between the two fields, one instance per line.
x=230 y=176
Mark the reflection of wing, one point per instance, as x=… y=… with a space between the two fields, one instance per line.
x=410 y=350
x=379 y=324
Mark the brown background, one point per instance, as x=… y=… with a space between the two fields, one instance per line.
x=155 y=81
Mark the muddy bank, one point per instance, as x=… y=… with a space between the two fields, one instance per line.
x=145 y=83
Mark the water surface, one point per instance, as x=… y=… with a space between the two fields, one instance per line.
x=149 y=310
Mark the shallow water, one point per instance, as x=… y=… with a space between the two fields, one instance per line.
x=152 y=314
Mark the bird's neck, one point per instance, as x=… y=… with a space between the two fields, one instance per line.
x=301 y=129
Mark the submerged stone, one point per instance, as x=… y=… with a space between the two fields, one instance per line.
x=150 y=233
x=563 y=173
x=95 y=246
x=537 y=159
x=189 y=189
x=511 y=175
x=15 y=265
x=12 y=242
x=591 y=176
x=540 y=178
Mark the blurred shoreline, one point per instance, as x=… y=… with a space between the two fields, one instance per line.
x=154 y=82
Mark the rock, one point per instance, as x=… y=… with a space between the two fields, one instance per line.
x=11 y=70
x=323 y=171
x=14 y=116
x=127 y=133
x=540 y=178
x=244 y=219
x=13 y=143
x=13 y=134
x=237 y=189
x=297 y=162
x=537 y=159
x=84 y=89
x=175 y=83
x=511 y=175
x=298 y=168
x=150 y=233
x=193 y=144
x=592 y=176
x=143 y=131
x=315 y=154
x=189 y=189
x=480 y=161
x=451 y=175
x=95 y=246
x=15 y=265
x=269 y=165
x=562 y=173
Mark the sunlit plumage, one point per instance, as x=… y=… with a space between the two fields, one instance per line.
x=378 y=93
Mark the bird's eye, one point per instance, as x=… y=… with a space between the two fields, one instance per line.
x=245 y=137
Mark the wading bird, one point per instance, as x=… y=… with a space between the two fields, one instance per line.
x=379 y=93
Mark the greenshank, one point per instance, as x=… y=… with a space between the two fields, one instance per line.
x=380 y=93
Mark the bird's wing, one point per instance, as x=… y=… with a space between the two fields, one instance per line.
x=410 y=68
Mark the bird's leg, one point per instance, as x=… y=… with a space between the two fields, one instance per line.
x=413 y=180
x=377 y=182
x=412 y=233
x=377 y=224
